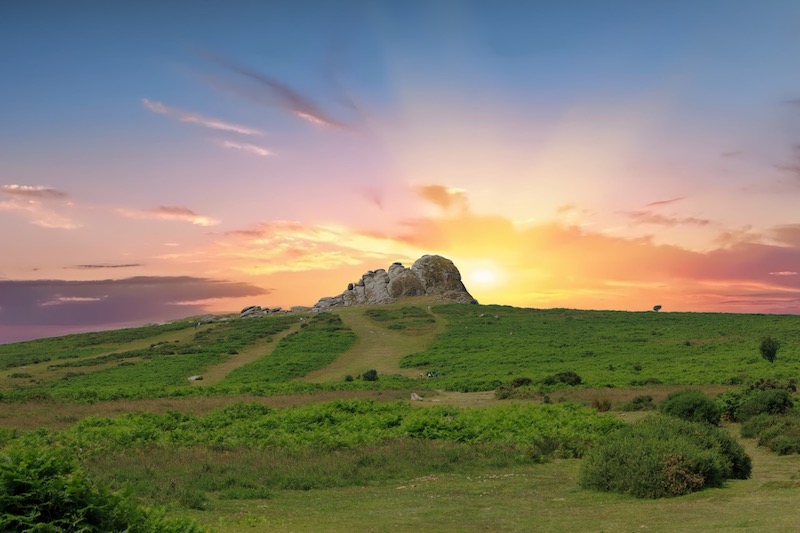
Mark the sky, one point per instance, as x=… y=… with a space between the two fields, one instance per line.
x=167 y=159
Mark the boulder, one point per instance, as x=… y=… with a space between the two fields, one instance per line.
x=430 y=275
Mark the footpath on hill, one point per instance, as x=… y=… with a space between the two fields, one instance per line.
x=257 y=350
x=376 y=347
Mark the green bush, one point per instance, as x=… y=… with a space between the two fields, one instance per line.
x=661 y=456
x=779 y=433
x=759 y=396
x=769 y=348
x=639 y=403
x=771 y=402
x=568 y=378
x=692 y=405
x=45 y=490
x=370 y=375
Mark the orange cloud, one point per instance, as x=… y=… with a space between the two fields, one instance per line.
x=444 y=197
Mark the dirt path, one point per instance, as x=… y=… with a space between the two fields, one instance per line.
x=257 y=350
x=376 y=347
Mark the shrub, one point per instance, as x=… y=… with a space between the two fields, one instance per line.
x=602 y=405
x=771 y=402
x=769 y=348
x=370 y=375
x=760 y=396
x=639 y=403
x=520 y=382
x=503 y=392
x=692 y=405
x=660 y=456
x=779 y=433
x=348 y=377
x=568 y=378
x=44 y=489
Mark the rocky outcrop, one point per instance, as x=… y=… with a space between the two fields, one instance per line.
x=429 y=275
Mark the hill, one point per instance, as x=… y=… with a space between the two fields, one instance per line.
x=284 y=405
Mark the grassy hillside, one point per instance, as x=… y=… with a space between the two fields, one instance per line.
x=275 y=416
x=484 y=346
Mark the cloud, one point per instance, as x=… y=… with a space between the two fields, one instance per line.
x=644 y=217
x=92 y=267
x=446 y=198
x=290 y=246
x=169 y=212
x=39 y=214
x=784 y=273
x=731 y=154
x=661 y=203
x=194 y=118
x=269 y=90
x=33 y=191
x=103 y=302
x=251 y=148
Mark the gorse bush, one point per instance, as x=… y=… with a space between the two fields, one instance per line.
x=661 y=456
x=639 y=403
x=768 y=396
x=770 y=402
x=568 y=378
x=692 y=405
x=779 y=433
x=44 y=489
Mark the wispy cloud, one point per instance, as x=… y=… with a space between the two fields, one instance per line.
x=195 y=118
x=246 y=147
x=39 y=214
x=33 y=191
x=169 y=212
x=661 y=203
x=270 y=90
x=783 y=273
x=91 y=267
x=645 y=217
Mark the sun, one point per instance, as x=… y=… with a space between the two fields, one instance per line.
x=483 y=276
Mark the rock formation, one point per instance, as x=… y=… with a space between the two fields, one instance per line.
x=429 y=275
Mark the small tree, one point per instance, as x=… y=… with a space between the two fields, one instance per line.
x=370 y=375
x=769 y=348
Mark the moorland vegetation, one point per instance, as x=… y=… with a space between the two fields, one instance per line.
x=504 y=392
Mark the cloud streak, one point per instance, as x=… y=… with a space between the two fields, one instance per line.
x=93 y=267
x=247 y=147
x=270 y=90
x=33 y=191
x=169 y=212
x=661 y=203
x=644 y=217
x=195 y=118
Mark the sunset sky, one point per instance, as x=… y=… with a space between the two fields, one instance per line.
x=166 y=159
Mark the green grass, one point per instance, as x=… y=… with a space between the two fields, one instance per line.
x=485 y=346
x=537 y=497
x=367 y=465
x=79 y=345
x=314 y=346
